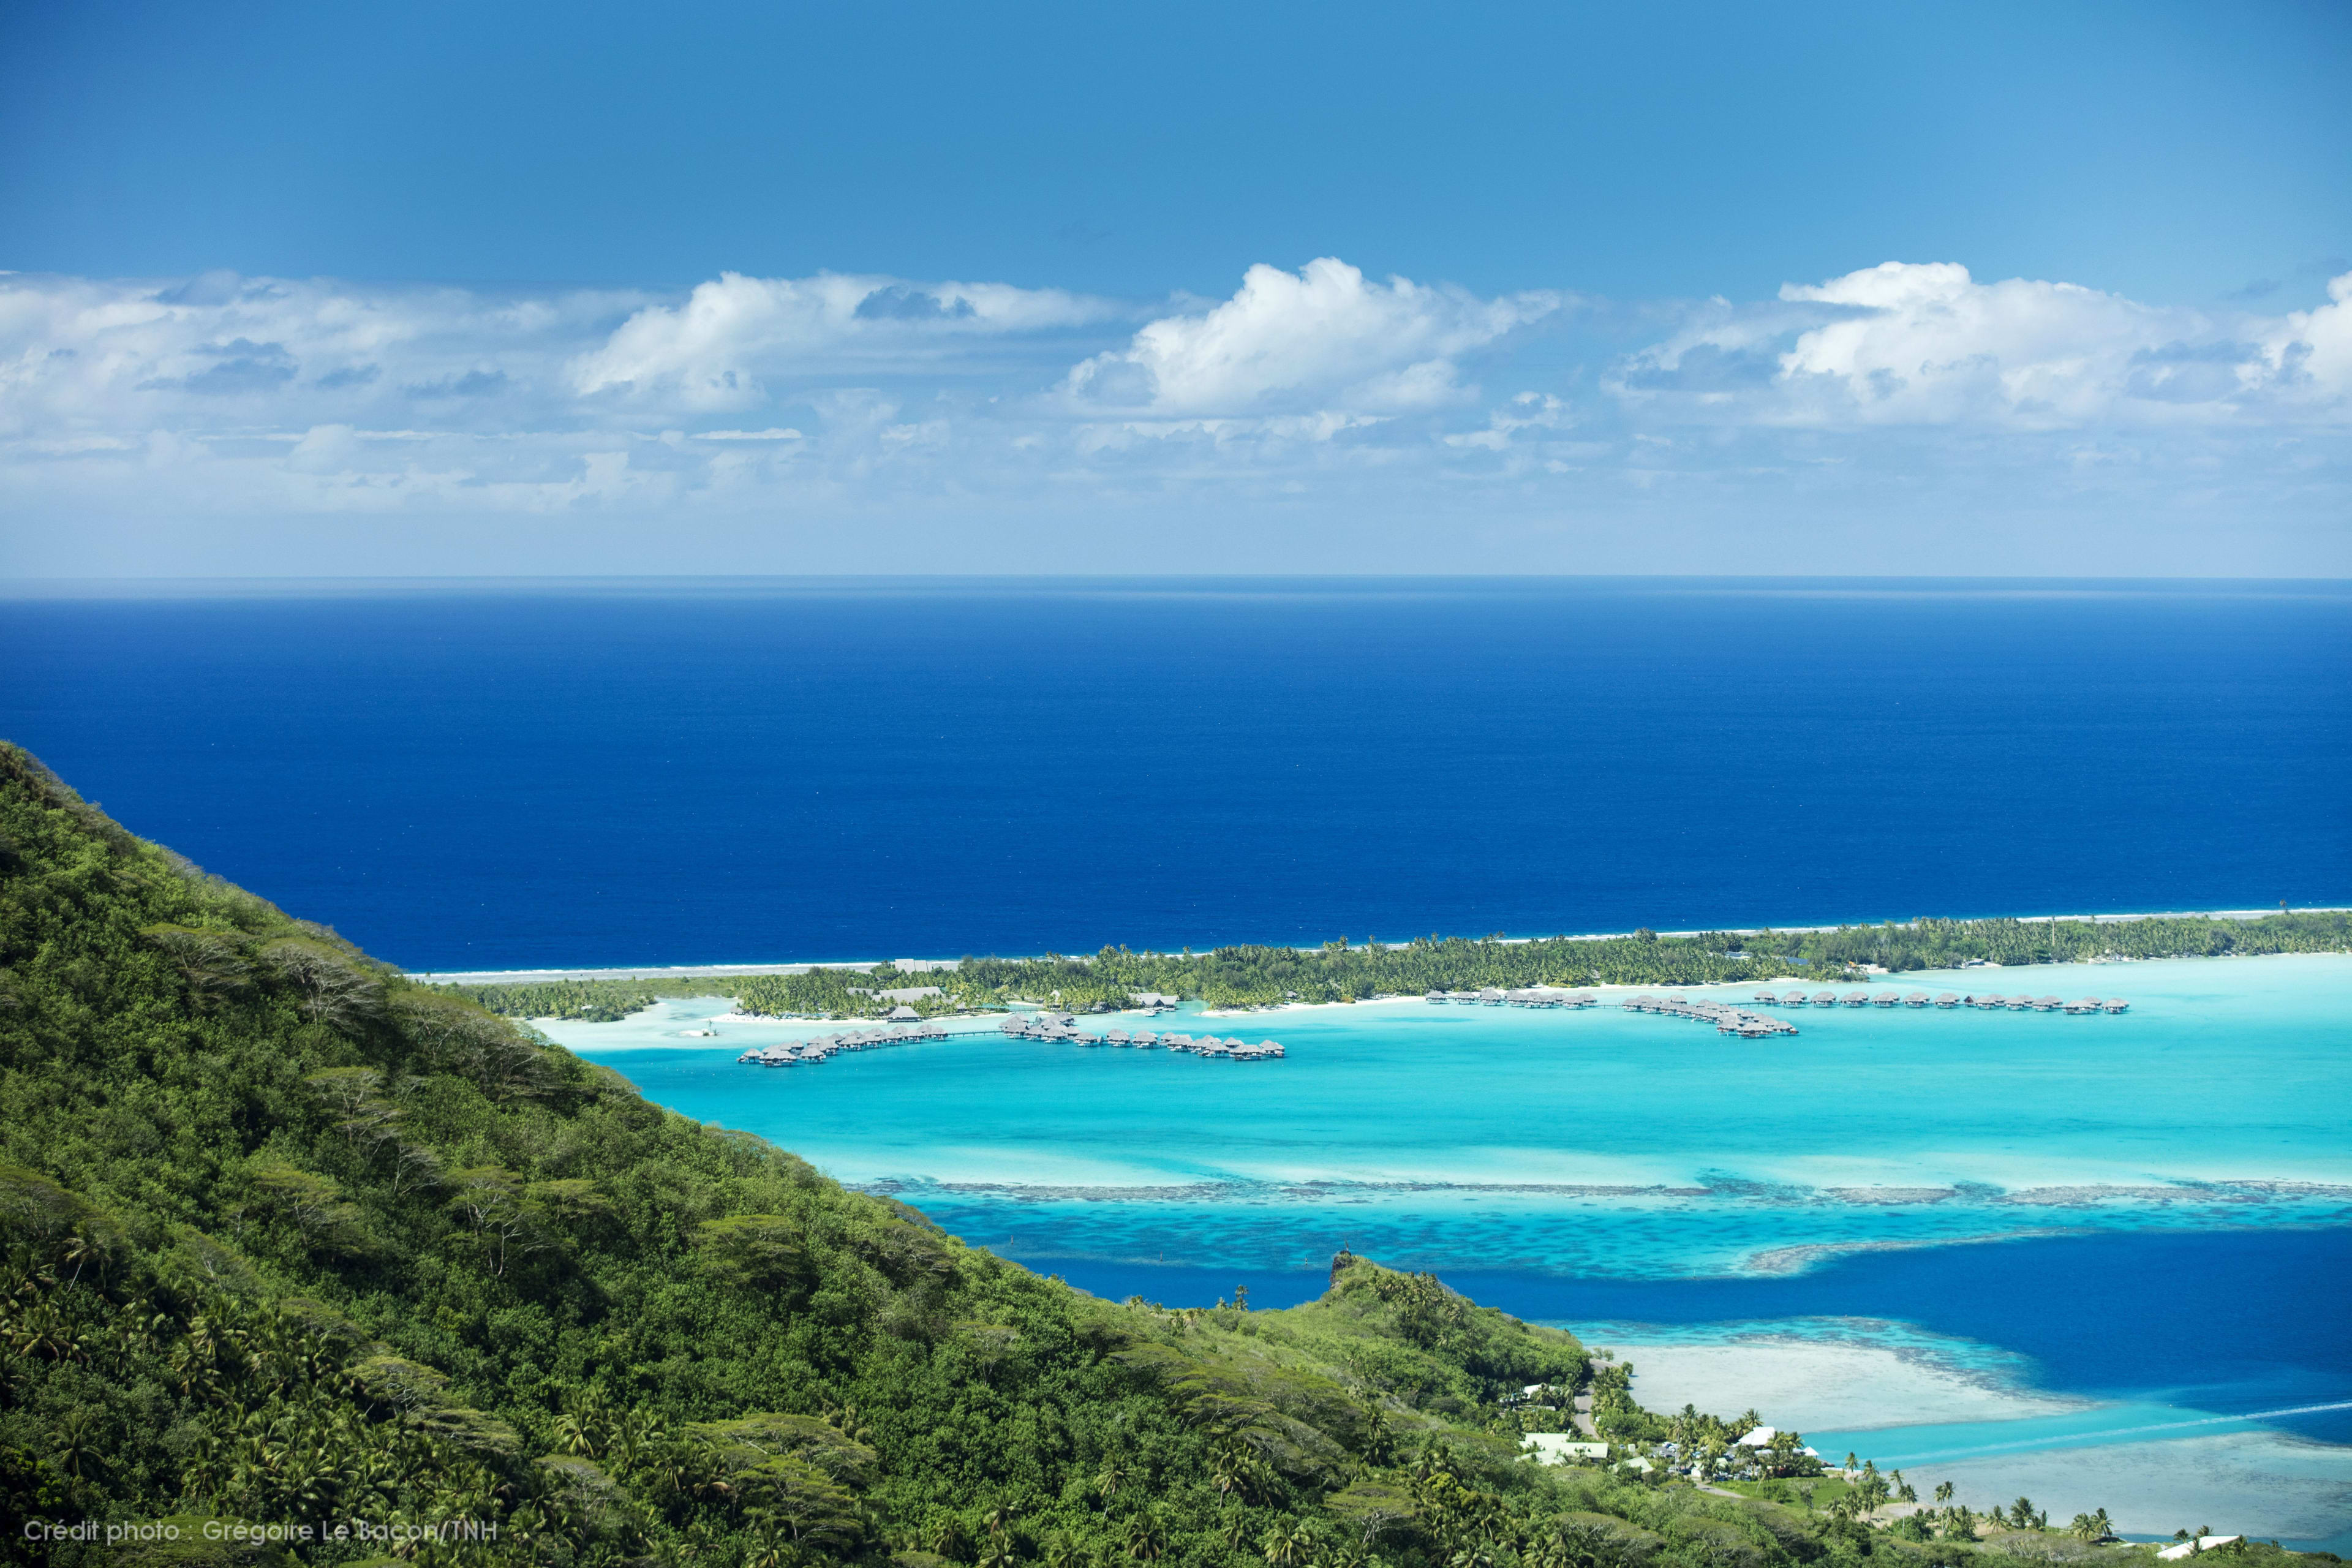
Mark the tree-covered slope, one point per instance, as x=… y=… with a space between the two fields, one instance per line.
x=291 y=1242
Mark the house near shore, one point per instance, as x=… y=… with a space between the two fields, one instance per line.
x=1561 y=1449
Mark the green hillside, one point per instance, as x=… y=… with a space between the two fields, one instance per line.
x=291 y=1242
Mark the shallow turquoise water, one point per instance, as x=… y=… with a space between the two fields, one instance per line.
x=1600 y=1142
x=1606 y=1163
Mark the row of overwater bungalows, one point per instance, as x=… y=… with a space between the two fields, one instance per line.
x=1727 y=1020
x=1526 y=996
x=793 y=1052
x=1063 y=1027
x=1947 y=999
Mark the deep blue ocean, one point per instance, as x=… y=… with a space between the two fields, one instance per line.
x=716 y=773
x=485 y=776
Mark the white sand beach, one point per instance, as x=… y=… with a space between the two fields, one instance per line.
x=1823 y=1384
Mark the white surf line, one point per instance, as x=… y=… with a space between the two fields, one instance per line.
x=2069 y=1439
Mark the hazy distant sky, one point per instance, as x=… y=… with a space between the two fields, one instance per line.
x=500 y=287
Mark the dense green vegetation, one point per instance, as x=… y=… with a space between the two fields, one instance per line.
x=593 y=1001
x=1340 y=971
x=290 y=1241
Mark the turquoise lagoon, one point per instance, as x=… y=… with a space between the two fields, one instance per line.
x=2095 y=1259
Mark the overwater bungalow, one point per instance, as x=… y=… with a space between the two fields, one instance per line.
x=1947 y=999
x=1856 y=998
x=2087 y=1005
x=1824 y=999
x=1437 y=997
x=1886 y=999
x=1916 y=999
x=2115 y=1005
x=1143 y=1039
x=1491 y=996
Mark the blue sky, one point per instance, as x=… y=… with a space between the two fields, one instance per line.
x=1886 y=288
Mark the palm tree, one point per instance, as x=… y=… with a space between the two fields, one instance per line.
x=78 y=1442
x=1147 y=1539
x=1943 y=1492
x=1110 y=1480
x=1379 y=1442
x=575 y=1435
x=1286 y=1546
x=769 y=1548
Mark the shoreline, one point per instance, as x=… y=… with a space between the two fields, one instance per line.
x=927 y=965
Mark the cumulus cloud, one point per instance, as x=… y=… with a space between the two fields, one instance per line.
x=1322 y=337
x=718 y=347
x=843 y=394
x=1906 y=343
x=223 y=350
x=2313 y=349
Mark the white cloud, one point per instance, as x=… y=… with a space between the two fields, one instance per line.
x=223 y=352
x=716 y=348
x=219 y=401
x=1322 y=337
x=1904 y=343
x=2313 y=348
x=1527 y=411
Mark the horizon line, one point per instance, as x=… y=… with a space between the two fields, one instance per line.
x=455 y=584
